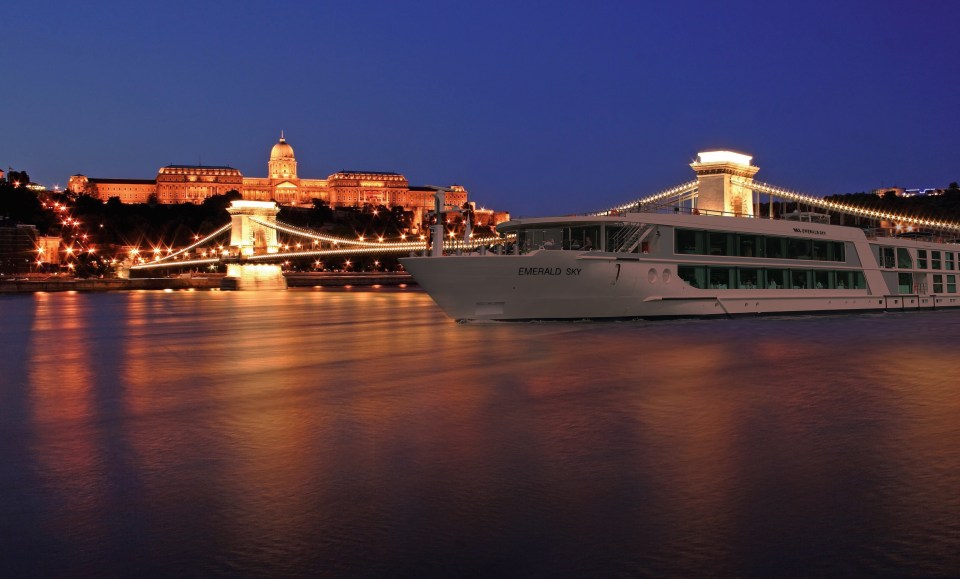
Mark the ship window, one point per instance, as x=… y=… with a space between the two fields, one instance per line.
x=689 y=241
x=886 y=257
x=850 y=280
x=836 y=251
x=922 y=258
x=721 y=243
x=752 y=246
x=822 y=250
x=549 y=238
x=938 y=283
x=936 y=262
x=951 y=284
x=584 y=238
x=719 y=277
x=843 y=278
x=696 y=242
x=822 y=279
x=799 y=278
x=776 y=247
x=905 y=283
x=903 y=258
x=777 y=279
x=750 y=279
x=859 y=282
x=695 y=276
x=799 y=248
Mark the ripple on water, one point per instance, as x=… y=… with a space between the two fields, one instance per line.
x=363 y=433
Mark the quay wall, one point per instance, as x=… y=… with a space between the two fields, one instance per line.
x=209 y=281
x=332 y=279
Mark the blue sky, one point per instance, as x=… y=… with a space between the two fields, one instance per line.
x=535 y=107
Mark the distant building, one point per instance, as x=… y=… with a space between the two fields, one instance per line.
x=127 y=190
x=901 y=192
x=48 y=249
x=194 y=183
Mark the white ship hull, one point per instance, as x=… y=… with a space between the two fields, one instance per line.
x=570 y=284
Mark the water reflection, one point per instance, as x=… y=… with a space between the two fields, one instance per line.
x=361 y=432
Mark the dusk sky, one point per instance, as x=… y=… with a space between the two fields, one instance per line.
x=535 y=107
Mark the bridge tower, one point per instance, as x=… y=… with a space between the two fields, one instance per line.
x=252 y=238
x=248 y=236
x=724 y=182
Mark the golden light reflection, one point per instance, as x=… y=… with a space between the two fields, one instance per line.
x=62 y=386
x=305 y=409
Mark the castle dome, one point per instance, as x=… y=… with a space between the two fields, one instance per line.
x=282 y=150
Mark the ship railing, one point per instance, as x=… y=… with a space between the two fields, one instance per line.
x=683 y=210
x=625 y=238
x=874 y=233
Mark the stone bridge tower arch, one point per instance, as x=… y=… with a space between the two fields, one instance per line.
x=724 y=183
x=248 y=236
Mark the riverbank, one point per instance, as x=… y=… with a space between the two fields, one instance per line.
x=198 y=282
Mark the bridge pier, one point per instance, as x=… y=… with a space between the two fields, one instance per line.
x=250 y=237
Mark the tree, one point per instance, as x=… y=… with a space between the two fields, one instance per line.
x=18 y=178
x=22 y=206
x=467 y=211
x=322 y=211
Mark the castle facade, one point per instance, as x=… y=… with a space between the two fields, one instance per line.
x=194 y=183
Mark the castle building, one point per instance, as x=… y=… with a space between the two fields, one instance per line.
x=194 y=183
x=127 y=190
x=282 y=183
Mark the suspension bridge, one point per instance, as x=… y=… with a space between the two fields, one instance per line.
x=724 y=185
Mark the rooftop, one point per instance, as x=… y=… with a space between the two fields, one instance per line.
x=122 y=181
x=385 y=173
x=200 y=167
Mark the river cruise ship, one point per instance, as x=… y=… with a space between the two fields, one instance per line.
x=685 y=264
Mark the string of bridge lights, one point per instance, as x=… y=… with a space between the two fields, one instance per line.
x=342 y=246
x=843 y=207
x=379 y=245
x=760 y=187
x=681 y=189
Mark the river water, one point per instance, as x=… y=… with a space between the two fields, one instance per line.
x=361 y=433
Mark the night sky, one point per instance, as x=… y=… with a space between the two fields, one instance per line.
x=536 y=107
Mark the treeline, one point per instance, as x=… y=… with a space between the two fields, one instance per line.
x=141 y=224
x=945 y=206
x=21 y=205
